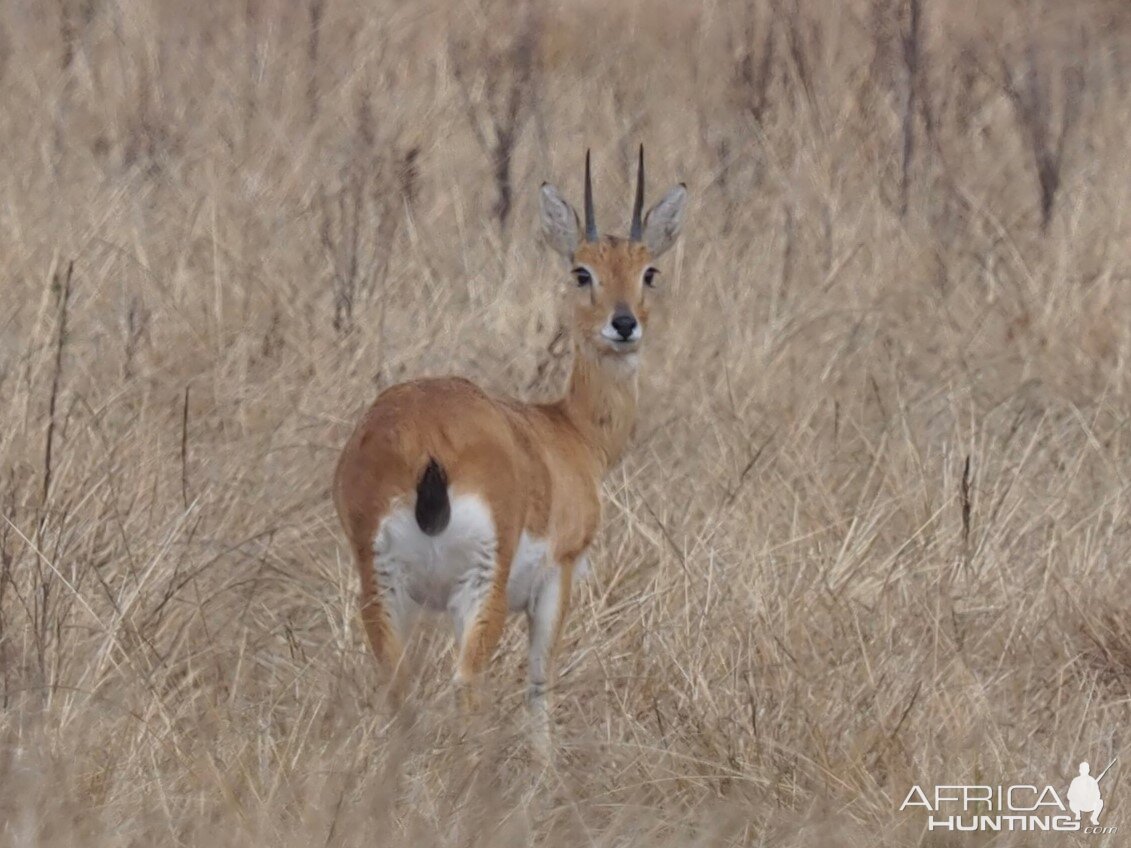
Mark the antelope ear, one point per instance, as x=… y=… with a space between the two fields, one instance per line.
x=560 y=225
x=664 y=220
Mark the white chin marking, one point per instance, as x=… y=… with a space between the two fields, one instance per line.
x=618 y=347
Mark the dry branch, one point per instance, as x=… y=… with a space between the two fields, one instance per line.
x=63 y=292
x=497 y=82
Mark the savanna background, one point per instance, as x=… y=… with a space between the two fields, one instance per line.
x=873 y=530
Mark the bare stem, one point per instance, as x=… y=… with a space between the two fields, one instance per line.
x=56 y=377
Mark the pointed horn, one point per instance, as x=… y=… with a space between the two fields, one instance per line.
x=590 y=216
x=636 y=231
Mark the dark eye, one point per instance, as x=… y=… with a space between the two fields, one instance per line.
x=583 y=277
x=650 y=276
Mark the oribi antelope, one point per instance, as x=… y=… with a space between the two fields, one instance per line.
x=457 y=500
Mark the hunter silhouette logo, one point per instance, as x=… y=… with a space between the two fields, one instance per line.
x=1021 y=806
x=1084 y=793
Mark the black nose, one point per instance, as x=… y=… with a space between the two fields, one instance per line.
x=624 y=324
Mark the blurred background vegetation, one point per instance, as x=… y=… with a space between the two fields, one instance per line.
x=873 y=530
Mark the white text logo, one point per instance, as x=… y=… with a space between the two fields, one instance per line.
x=1023 y=806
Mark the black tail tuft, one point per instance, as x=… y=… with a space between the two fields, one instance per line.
x=433 y=509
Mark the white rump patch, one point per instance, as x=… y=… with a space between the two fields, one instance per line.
x=453 y=569
x=431 y=568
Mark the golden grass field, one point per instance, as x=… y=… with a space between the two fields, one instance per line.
x=872 y=530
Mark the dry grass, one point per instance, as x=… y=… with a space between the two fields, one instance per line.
x=873 y=529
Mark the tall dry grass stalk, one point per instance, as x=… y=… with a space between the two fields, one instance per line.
x=874 y=526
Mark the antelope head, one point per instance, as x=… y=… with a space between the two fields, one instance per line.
x=613 y=276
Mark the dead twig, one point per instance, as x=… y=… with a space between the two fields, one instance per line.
x=1044 y=126
x=497 y=87
x=184 y=448
x=64 y=295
